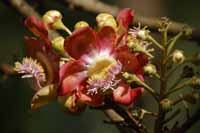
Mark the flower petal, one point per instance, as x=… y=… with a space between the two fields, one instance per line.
x=81 y=42
x=70 y=68
x=72 y=82
x=124 y=18
x=38 y=28
x=129 y=60
x=45 y=55
x=107 y=38
x=143 y=59
x=123 y=94
x=93 y=100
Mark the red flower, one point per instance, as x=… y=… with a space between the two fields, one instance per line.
x=99 y=61
x=41 y=50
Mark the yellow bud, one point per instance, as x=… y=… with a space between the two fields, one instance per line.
x=51 y=17
x=105 y=19
x=58 y=44
x=150 y=69
x=143 y=34
x=178 y=57
x=81 y=24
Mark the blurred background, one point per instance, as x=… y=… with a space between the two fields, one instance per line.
x=15 y=94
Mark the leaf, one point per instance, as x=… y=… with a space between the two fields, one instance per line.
x=43 y=96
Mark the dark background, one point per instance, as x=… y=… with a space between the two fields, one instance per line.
x=15 y=93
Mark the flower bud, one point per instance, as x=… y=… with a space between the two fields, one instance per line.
x=105 y=19
x=150 y=69
x=53 y=19
x=58 y=44
x=52 y=16
x=81 y=24
x=166 y=104
x=143 y=34
x=178 y=57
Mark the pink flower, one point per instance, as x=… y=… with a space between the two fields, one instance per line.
x=100 y=58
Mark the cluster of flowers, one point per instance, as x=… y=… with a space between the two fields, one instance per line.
x=87 y=66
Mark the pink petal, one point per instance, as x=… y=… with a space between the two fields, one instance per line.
x=38 y=28
x=81 y=42
x=70 y=68
x=125 y=17
x=125 y=95
x=72 y=82
x=107 y=38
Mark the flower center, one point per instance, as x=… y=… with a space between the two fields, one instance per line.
x=102 y=74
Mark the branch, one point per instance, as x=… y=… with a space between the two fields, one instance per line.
x=96 y=6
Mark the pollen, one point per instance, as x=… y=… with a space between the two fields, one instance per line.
x=30 y=68
x=102 y=74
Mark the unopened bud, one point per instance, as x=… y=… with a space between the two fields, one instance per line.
x=150 y=69
x=143 y=34
x=105 y=19
x=178 y=57
x=166 y=104
x=58 y=44
x=53 y=19
x=81 y=24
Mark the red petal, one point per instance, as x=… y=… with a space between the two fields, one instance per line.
x=143 y=59
x=129 y=60
x=72 y=82
x=93 y=100
x=81 y=42
x=70 y=68
x=125 y=95
x=107 y=38
x=45 y=55
x=38 y=28
x=125 y=17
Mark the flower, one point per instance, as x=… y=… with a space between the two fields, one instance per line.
x=41 y=56
x=31 y=68
x=99 y=59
